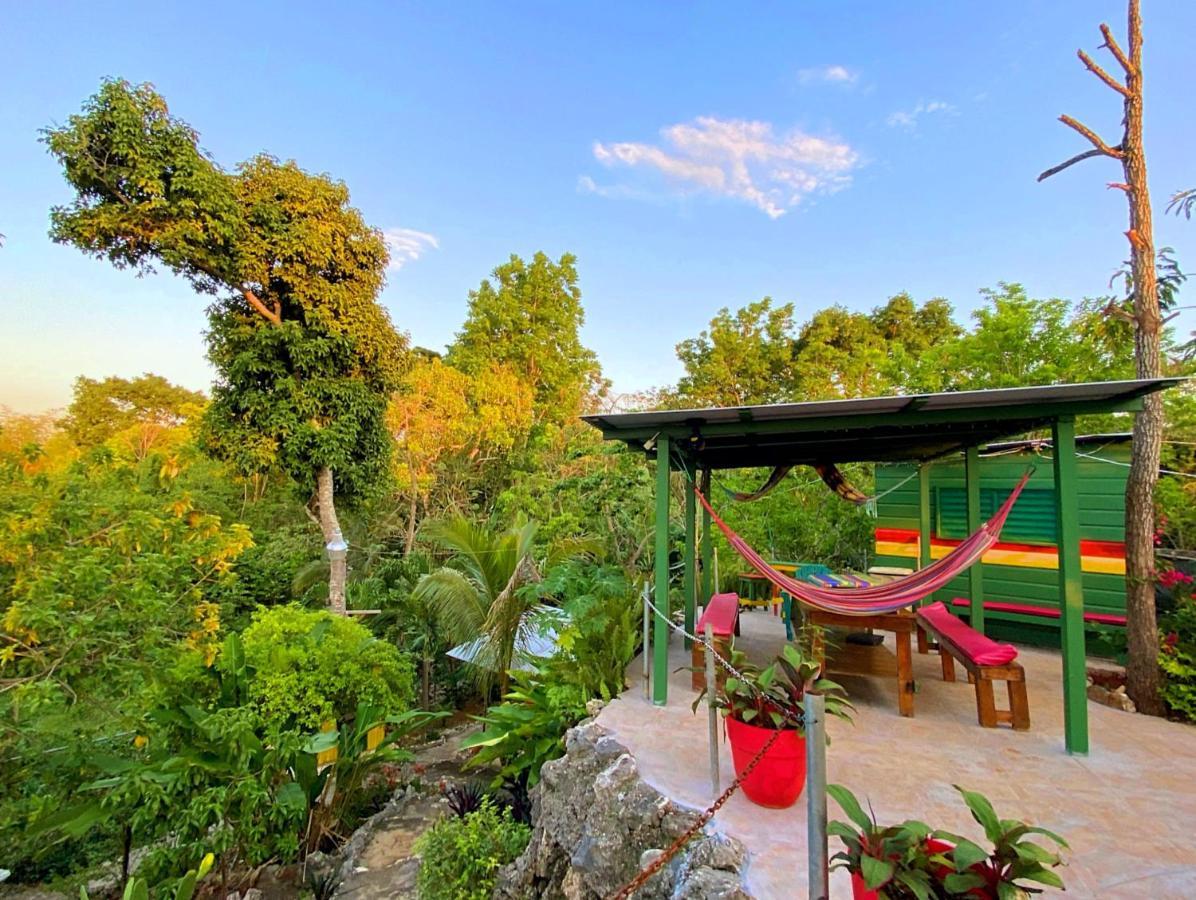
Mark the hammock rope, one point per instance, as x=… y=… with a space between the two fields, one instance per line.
x=882 y=598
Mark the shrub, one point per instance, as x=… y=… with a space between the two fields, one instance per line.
x=313 y=666
x=1177 y=657
x=461 y=856
x=605 y=623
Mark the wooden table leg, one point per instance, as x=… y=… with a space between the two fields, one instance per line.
x=905 y=674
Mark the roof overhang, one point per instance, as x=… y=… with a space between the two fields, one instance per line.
x=871 y=429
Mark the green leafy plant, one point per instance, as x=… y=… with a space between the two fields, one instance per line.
x=312 y=666
x=525 y=731
x=488 y=587
x=911 y=861
x=1177 y=655
x=138 y=889
x=461 y=856
x=893 y=855
x=604 y=625
x=772 y=697
x=333 y=791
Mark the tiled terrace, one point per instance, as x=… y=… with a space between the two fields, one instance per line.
x=1128 y=809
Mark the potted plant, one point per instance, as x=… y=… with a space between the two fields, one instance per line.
x=893 y=858
x=763 y=702
x=912 y=861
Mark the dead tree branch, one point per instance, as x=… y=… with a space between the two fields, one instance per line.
x=1100 y=73
x=1079 y=157
x=1112 y=46
x=1093 y=137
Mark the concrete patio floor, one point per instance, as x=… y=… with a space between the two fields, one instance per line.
x=1128 y=809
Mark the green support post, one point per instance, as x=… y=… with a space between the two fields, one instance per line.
x=976 y=572
x=1071 y=588
x=924 y=516
x=660 y=634
x=707 y=544
x=691 y=513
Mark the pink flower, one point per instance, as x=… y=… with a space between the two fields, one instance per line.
x=1173 y=577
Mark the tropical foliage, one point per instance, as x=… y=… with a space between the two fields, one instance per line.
x=912 y=861
x=461 y=856
x=166 y=661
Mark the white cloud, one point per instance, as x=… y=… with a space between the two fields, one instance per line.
x=407 y=245
x=827 y=74
x=908 y=118
x=736 y=158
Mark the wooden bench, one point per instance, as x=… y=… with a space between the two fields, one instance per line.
x=986 y=662
x=722 y=614
x=1042 y=612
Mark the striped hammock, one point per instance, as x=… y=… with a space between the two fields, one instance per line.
x=882 y=598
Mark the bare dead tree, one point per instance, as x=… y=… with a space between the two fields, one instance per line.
x=1142 y=671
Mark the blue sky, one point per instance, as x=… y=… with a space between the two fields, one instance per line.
x=890 y=147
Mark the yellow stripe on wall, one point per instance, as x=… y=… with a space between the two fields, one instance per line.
x=1026 y=559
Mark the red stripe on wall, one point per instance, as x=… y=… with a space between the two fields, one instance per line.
x=1109 y=549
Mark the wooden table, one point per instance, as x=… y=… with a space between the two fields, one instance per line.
x=901 y=624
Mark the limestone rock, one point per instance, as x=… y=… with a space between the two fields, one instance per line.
x=597 y=823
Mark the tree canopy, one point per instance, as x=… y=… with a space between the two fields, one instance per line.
x=528 y=316
x=305 y=353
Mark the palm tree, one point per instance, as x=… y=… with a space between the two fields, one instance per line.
x=483 y=593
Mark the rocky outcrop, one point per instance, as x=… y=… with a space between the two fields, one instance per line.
x=596 y=823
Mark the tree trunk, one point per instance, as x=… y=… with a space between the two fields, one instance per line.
x=1142 y=669
x=412 y=512
x=333 y=539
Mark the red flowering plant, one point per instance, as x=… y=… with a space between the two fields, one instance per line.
x=1177 y=653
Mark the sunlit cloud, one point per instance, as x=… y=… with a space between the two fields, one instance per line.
x=407 y=245
x=908 y=118
x=739 y=159
x=827 y=75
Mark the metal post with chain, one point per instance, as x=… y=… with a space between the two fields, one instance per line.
x=674 y=848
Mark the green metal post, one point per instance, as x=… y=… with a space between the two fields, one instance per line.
x=705 y=591
x=660 y=635
x=691 y=512
x=924 y=516
x=1071 y=589
x=976 y=572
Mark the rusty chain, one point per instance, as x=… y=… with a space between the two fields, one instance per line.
x=674 y=848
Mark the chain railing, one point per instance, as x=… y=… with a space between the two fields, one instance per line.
x=674 y=848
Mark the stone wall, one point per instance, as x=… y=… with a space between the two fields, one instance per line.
x=596 y=823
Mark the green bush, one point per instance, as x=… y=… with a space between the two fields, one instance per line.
x=605 y=624
x=461 y=856
x=311 y=666
x=1177 y=657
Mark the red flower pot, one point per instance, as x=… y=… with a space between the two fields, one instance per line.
x=778 y=779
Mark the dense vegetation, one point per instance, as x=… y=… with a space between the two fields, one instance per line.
x=167 y=660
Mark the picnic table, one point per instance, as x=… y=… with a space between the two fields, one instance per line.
x=902 y=624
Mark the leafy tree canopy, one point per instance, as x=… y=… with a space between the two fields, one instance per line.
x=528 y=316
x=740 y=359
x=101 y=409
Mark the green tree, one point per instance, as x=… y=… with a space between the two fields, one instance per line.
x=305 y=353
x=740 y=359
x=482 y=594
x=101 y=409
x=528 y=317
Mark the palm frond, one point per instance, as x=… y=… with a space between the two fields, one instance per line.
x=458 y=605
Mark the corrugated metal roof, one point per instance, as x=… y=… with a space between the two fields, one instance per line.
x=877 y=429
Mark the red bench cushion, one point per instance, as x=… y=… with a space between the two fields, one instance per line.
x=981 y=650
x=1047 y=612
x=720 y=612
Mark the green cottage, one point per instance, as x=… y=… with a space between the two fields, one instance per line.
x=1019 y=577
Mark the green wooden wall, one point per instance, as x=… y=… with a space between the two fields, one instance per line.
x=1102 y=518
